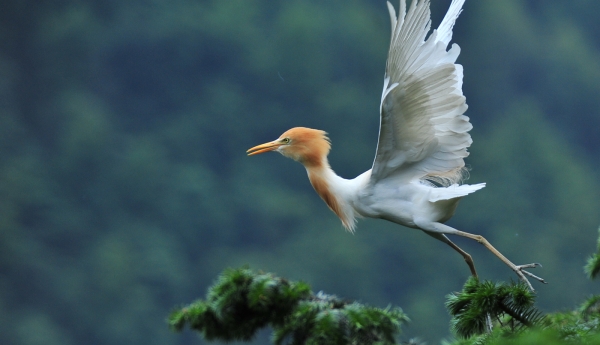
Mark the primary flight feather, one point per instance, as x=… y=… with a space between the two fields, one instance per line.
x=416 y=176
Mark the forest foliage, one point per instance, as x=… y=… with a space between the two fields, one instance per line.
x=243 y=301
x=125 y=186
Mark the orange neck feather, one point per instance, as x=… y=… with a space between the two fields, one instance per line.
x=321 y=186
x=318 y=176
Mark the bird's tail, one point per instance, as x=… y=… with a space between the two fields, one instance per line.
x=453 y=191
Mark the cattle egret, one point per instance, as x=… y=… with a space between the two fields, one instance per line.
x=416 y=176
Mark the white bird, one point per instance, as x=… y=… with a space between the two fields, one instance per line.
x=416 y=177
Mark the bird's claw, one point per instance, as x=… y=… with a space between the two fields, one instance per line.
x=519 y=270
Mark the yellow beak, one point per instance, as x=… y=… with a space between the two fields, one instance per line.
x=266 y=147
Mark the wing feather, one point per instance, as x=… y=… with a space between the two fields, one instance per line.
x=423 y=131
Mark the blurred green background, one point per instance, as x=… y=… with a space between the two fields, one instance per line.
x=125 y=188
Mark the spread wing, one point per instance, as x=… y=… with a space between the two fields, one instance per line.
x=423 y=133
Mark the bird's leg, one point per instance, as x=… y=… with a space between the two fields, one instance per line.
x=519 y=270
x=468 y=258
x=465 y=255
x=439 y=230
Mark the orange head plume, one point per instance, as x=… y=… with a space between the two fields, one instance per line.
x=305 y=145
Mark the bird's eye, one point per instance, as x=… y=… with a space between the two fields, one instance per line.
x=285 y=140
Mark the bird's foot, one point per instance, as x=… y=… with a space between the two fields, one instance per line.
x=519 y=270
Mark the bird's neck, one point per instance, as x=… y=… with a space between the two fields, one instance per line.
x=334 y=190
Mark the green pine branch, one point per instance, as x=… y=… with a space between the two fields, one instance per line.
x=481 y=304
x=592 y=268
x=242 y=301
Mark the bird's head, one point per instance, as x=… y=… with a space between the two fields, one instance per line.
x=305 y=145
